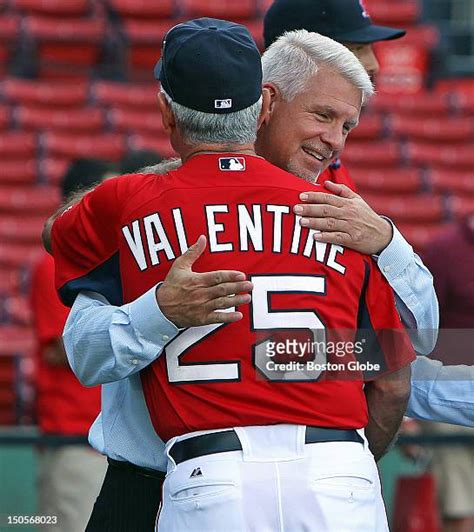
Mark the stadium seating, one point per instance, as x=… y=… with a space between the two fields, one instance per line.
x=67 y=146
x=5 y=117
x=9 y=30
x=55 y=8
x=415 y=208
x=52 y=94
x=83 y=120
x=124 y=95
x=228 y=9
x=17 y=145
x=433 y=129
x=151 y=142
x=387 y=180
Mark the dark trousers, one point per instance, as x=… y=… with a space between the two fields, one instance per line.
x=128 y=500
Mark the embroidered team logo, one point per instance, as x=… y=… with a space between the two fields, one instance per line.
x=365 y=13
x=223 y=104
x=196 y=473
x=232 y=164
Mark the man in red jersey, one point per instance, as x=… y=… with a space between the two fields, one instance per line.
x=261 y=444
x=70 y=475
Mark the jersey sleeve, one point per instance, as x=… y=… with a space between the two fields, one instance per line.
x=49 y=313
x=386 y=342
x=85 y=245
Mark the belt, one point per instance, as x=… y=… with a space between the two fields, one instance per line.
x=225 y=441
x=132 y=468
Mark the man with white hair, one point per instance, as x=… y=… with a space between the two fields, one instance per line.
x=235 y=437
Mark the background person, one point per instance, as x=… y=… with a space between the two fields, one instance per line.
x=69 y=475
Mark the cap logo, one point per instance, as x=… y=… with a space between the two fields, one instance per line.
x=232 y=164
x=223 y=104
x=365 y=13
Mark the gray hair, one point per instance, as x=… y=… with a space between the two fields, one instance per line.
x=210 y=128
x=296 y=56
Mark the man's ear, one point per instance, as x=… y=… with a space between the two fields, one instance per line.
x=274 y=96
x=167 y=116
x=265 y=112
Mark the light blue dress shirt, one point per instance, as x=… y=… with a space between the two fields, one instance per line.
x=442 y=393
x=109 y=345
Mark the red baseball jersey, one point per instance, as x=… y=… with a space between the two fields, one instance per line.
x=64 y=405
x=123 y=238
x=339 y=174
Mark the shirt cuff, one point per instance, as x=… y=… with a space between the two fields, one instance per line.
x=396 y=257
x=148 y=320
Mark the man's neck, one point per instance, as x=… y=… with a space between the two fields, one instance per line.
x=200 y=149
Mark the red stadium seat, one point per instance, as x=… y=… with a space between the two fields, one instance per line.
x=48 y=93
x=403 y=67
x=17 y=145
x=29 y=201
x=454 y=181
x=123 y=95
x=463 y=101
x=387 y=180
x=9 y=31
x=85 y=120
x=424 y=103
x=19 y=172
x=423 y=35
x=10 y=281
x=18 y=310
x=369 y=154
x=128 y=121
x=54 y=7
x=53 y=170
x=225 y=9
x=255 y=26
x=444 y=155
x=433 y=129
x=19 y=255
x=461 y=206
x=66 y=48
x=20 y=229
x=5 y=117
x=402 y=13
x=369 y=128
x=15 y=340
x=152 y=142
x=144 y=45
x=463 y=85
x=106 y=146
x=416 y=208
x=421 y=236
x=143 y=8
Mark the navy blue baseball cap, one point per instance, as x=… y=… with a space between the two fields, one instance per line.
x=210 y=65
x=345 y=21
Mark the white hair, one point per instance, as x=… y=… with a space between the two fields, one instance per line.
x=212 y=128
x=296 y=56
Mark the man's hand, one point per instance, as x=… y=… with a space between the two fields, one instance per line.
x=344 y=219
x=387 y=400
x=190 y=299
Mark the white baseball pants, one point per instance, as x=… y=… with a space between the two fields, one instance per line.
x=277 y=483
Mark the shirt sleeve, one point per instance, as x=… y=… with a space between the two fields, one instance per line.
x=106 y=343
x=442 y=393
x=386 y=342
x=85 y=245
x=414 y=291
